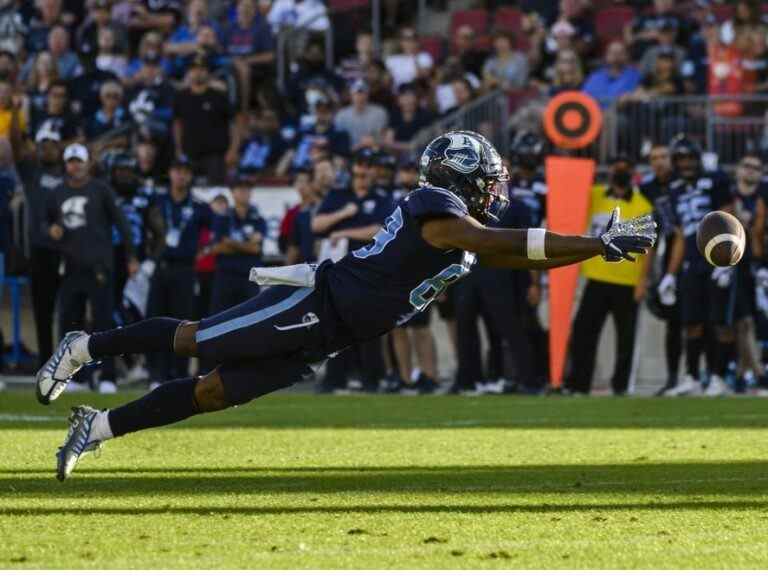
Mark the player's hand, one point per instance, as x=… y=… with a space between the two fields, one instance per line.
x=668 y=290
x=722 y=276
x=56 y=232
x=350 y=210
x=622 y=239
x=133 y=266
x=640 y=290
x=534 y=295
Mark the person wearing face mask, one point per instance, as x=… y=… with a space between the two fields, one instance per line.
x=611 y=288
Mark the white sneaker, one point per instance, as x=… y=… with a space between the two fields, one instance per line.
x=56 y=373
x=107 y=387
x=689 y=386
x=717 y=387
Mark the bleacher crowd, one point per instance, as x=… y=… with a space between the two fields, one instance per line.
x=111 y=111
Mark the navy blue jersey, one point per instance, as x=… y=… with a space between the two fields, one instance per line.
x=531 y=192
x=398 y=274
x=183 y=221
x=711 y=191
x=373 y=208
x=240 y=230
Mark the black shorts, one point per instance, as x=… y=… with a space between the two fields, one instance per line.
x=704 y=302
x=269 y=341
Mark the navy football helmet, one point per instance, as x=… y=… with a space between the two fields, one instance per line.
x=468 y=165
x=527 y=150
x=686 y=156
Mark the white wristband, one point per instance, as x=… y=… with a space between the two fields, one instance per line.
x=535 y=244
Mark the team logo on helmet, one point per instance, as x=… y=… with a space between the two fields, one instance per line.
x=462 y=154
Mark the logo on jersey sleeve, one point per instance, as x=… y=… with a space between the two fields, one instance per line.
x=73 y=212
x=462 y=154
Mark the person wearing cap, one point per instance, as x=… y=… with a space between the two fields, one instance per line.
x=40 y=175
x=611 y=288
x=237 y=241
x=201 y=124
x=81 y=213
x=363 y=121
x=172 y=289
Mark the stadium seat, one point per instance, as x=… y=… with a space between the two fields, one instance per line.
x=433 y=45
x=610 y=22
x=476 y=19
x=508 y=18
x=722 y=12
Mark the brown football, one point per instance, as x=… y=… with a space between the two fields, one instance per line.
x=721 y=238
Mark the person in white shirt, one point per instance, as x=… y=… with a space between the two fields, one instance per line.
x=311 y=14
x=363 y=121
x=411 y=63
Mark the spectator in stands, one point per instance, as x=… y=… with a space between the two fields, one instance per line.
x=172 y=288
x=300 y=240
x=611 y=288
x=151 y=95
x=12 y=28
x=98 y=17
x=666 y=44
x=470 y=57
x=111 y=115
x=411 y=63
x=355 y=67
x=616 y=78
x=201 y=124
x=380 y=90
x=109 y=56
x=42 y=74
x=309 y=14
x=41 y=174
x=407 y=120
x=643 y=32
x=8 y=65
x=362 y=121
x=263 y=143
x=567 y=73
x=463 y=93
x=85 y=88
x=237 y=242
x=323 y=176
x=322 y=130
x=547 y=48
x=183 y=43
x=250 y=44
x=507 y=68
x=581 y=16
x=747 y=29
x=150 y=54
x=58 y=112
x=66 y=61
x=160 y=15
x=13 y=122
x=47 y=15
x=313 y=74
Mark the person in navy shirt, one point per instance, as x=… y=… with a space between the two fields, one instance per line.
x=237 y=237
x=172 y=289
x=430 y=240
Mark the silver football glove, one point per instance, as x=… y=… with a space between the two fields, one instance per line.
x=622 y=239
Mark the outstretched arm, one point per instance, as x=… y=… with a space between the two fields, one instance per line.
x=538 y=249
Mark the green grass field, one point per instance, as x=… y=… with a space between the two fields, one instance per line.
x=294 y=481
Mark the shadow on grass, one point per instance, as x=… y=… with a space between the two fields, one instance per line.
x=713 y=505
x=662 y=479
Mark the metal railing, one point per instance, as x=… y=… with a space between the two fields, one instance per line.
x=488 y=115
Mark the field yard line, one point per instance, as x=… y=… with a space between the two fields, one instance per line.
x=632 y=420
x=6 y=417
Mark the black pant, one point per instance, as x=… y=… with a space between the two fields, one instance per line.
x=44 y=286
x=79 y=287
x=600 y=299
x=171 y=293
x=230 y=288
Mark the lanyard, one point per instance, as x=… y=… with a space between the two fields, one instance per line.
x=187 y=212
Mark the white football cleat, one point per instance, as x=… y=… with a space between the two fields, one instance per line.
x=56 y=373
x=717 y=387
x=78 y=441
x=689 y=386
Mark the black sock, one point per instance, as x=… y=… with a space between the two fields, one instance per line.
x=693 y=350
x=152 y=335
x=172 y=402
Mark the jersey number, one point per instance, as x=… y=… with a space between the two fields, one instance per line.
x=392 y=226
x=427 y=291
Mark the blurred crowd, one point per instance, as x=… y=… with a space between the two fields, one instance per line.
x=112 y=110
